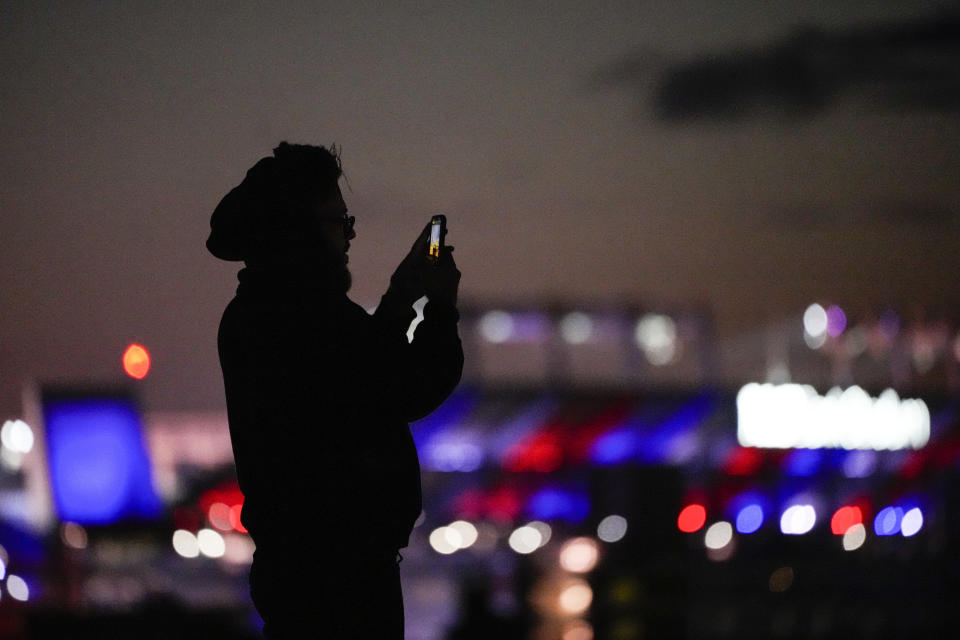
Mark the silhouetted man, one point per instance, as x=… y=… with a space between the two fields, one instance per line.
x=319 y=394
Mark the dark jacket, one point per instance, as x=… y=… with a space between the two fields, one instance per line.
x=319 y=394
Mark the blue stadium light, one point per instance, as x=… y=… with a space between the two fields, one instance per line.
x=99 y=470
x=552 y=503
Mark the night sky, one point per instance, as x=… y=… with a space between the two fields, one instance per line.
x=746 y=157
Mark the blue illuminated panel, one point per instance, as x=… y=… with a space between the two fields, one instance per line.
x=99 y=469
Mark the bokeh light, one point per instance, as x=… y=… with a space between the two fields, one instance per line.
x=749 y=519
x=912 y=522
x=17 y=436
x=612 y=528
x=781 y=579
x=136 y=361
x=544 y=529
x=844 y=518
x=691 y=518
x=17 y=588
x=496 y=326
x=73 y=535
x=467 y=532
x=836 y=321
x=815 y=321
x=888 y=521
x=579 y=555
x=575 y=598
x=718 y=535
x=219 y=516
x=656 y=335
x=798 y=519
x=210 y=543
x=185 y=544
x=445 y=541
x=854 y=538
x=525 y=539
x=576 y=327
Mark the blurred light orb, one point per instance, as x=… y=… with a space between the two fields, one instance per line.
x=844 y=518
x=17 y=588
x=73 y=535
x=219 y=516
x=238 y=549
x=612 y=528
x=467 y=532
x=17 y=436
x=656 y=334
x=912 y=522
x=444 y=540
x=718 y=535
x=211 y=543
x=235 y=512
x=836 y=321
x=576 y=327
x=136 y=361
x=579 y=555
x=496 y=326
x=525 y=539
x=749 y=519
x=575 y=598
x=815 y=321
x=692 y=518
x=185 y=544
x=854 y=538
x=781 y=579
x=578 y=630
x=798 y=519
x=544 y=529
x=3 y=569
x=888 y=521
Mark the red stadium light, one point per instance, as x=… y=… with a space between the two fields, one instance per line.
x=692 y=518
x=136 y=361
x=844 y=518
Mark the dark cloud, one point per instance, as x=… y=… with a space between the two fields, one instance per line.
x=906 y=65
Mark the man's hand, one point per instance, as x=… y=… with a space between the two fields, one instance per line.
x=407 y=281
x=442 y=280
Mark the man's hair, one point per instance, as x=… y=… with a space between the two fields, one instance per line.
x=266 y=213
x=305 y=173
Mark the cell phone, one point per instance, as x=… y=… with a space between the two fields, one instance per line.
x=438 y=229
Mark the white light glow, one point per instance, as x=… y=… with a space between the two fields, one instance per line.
x=17 y=436
x=815 y=321
x=796 y=416
x=467 y=532
x=911 y=523
x=211 y=543
x=576 y=327
x=17 y=588
x=496 y=326
x=185 y=544
x=3 y=569
x=854 y=538
x=579 y=555
x=525 y=539
x=238 y=549
x=718 y=535
x=544 y=529
x=576 y=598
x=612 y=528
x=657 y=335
x=798 y=519
x=444 y=540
